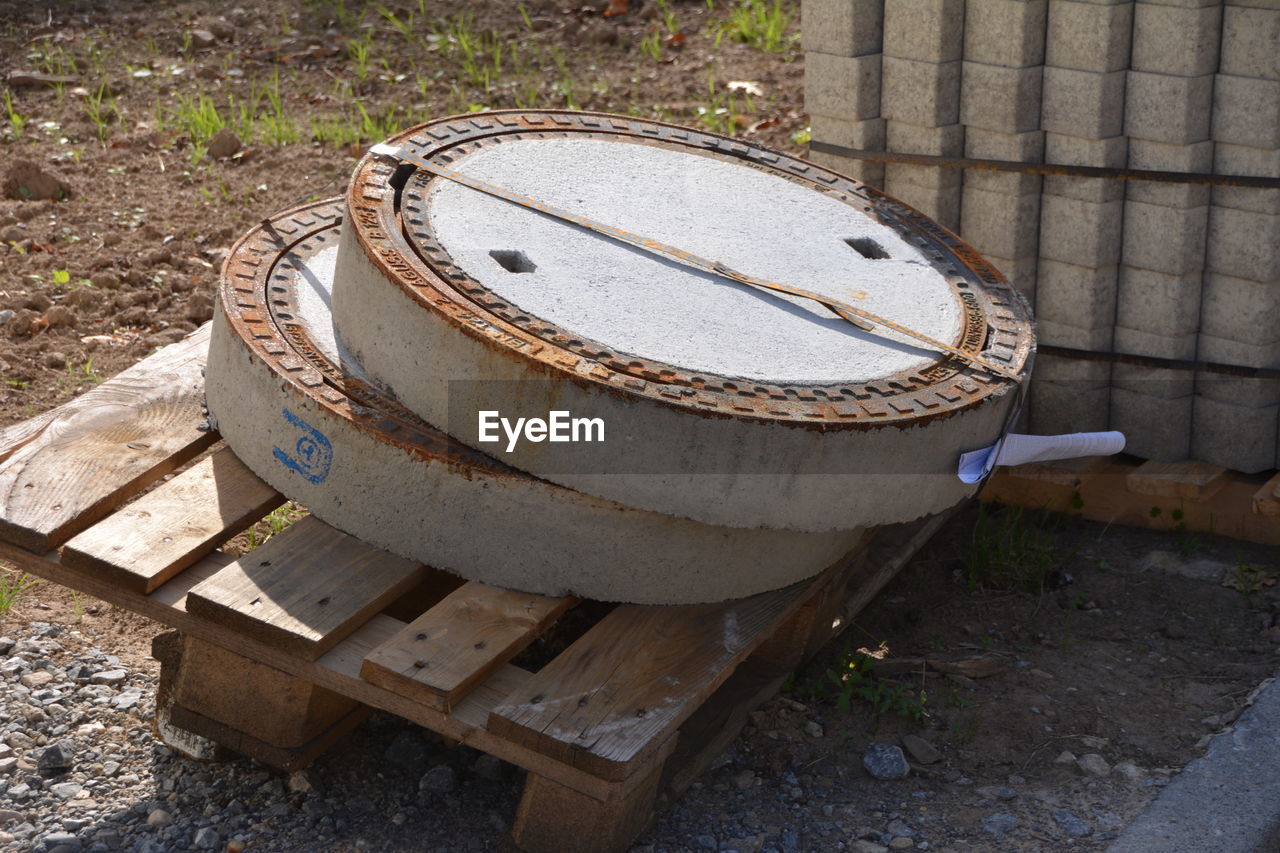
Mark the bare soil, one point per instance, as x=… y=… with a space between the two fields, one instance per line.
x=1107 y=641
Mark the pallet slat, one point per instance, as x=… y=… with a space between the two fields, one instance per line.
x=173 y=526
x=617 y=694
x=440 y=656
x=68 y=468
x=1193 y=480
x=1267 y=499
x=305 y=589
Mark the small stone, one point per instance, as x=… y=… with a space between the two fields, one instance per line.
x=440 y=779
x=813 y=729
x=66 y=790
x=1065 y=757
x=1071 y=825
x=36 y=680
x=224 y=144
x=55 y=360
x=159 y=817
x=885 y=761
x=9 y=816
x=1093 y=764
x=202 y=38
x=1129 y=771
x=995 y=792
x=999 y=824
x=29 y=181
x=235 y=846
x=206 y=839
x=864 y=846
x=921 y=750
x=221 y=28
x=64 y=840
x=199 y=308
x=57 y=758
x=1093 y=742
x=19 y=740
x=901 y=843
x=105 y=280
x=126 y=701
x=303 y=781
x=111 y=677
x=744 y=779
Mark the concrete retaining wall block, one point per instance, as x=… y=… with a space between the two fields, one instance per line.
x=1231 y=159
x=1076 y=296
x=923 y=93
x=1246 y=111
x=1165 y=239
x=1249 y=39
x=993 y=145
x=1083 y=103
x=1138 y=342
x=1176 y=40
x=941 y=204
x=842 y=27
x=1154 y=427
x=1240 y=310
x=1080 y=232
x=1020 y=272
x=1089 y=36
x=1226 y=351
x=998 y=98
x=1237 y=437
x=1244 y=244
x=868 y=133
x=1165 y=108
x=1254 y=393
x=1005 y=32
x=1078 y=151
x=945 y=141
x=842 y=85
x=927 y=30
x=1158 y=302
x=1165 y=383
x=1161 y=156
x=999 y=224
x=1057 y=407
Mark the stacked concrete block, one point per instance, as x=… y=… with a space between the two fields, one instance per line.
x=1162 y=270
x=1000 y=94
x=1236 y=421
x=842 y=81
x=923 y=40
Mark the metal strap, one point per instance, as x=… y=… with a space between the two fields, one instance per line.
x=859 y=317
x=1046 y=168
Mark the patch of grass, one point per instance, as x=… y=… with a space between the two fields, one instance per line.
x=762 y=24
x=853 y=679
x=651 y=46
x=13 y=585
x=17 y=121
x=276 y=521
x=1011 y=550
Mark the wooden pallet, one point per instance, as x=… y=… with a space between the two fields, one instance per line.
x=278 y=654
x=1193 y=497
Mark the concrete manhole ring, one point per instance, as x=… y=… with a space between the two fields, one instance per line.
x=721 y=403
x=296 y=409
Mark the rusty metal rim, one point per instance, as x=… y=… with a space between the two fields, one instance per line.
x=257 y=299
x=997 y=320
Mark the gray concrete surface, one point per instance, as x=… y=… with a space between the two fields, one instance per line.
x=1226 y=802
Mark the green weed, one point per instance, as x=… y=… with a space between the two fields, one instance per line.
x=1009 y=551
x=102 y=110
x=17 y=121
x=762 y=24
x=651 y=46
x=12 y=587
x=278 y=520
x=853 y=679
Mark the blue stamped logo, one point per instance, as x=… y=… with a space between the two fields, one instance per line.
x=312 y=452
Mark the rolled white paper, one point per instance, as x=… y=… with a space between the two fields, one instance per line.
x=1017 y=449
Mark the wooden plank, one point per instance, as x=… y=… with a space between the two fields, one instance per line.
x=1191 y=479
x=305 y=589
x=446 y=651
x=1266 y=501
x=554 y=819
x=173 y=526
x=626 y=685
x=68 y=468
